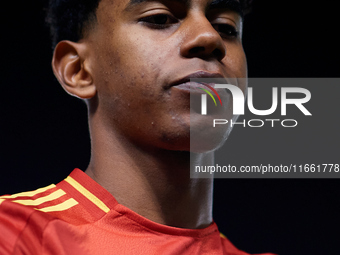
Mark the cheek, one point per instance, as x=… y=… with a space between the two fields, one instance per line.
x=130 y=63
x=236 y=61
x=127 y=77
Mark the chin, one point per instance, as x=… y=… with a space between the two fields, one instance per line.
x=200 y=136
x=194 y=133
x=204 y=137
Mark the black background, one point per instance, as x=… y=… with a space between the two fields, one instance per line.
x=43 y=131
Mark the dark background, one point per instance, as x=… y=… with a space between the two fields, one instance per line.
x=43 y=131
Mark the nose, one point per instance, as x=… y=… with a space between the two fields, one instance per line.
x=201 y=40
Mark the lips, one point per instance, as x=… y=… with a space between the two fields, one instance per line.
x=192 y=82
x=197 y=75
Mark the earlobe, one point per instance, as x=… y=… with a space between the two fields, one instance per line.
x=71 y=68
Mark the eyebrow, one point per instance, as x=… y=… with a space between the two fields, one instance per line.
x=132 y=3
x=232 y=5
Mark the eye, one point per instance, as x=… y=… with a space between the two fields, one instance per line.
x=226 y=30
x=159 y=21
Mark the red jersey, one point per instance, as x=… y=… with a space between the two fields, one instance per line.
x=79 y=217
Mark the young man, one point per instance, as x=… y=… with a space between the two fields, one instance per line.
x=131 y=62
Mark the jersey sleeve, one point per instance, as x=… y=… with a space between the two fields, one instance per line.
x=21 y=229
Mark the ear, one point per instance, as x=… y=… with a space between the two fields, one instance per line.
x=72 y=69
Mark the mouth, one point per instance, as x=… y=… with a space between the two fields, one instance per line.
x=194 y=82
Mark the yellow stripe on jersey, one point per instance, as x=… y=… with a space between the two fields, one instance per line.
x=1 y=200
x=87 y=194
x=60 y=207
x=40 y=200
x=223 y=236
x=29 y=193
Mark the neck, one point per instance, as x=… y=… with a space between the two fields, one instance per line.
x=155 y=183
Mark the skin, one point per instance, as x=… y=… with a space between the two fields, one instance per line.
x=139 y=125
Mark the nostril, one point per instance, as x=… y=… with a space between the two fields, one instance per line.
x=203 y=52
x=218 y=54
x=196 y=50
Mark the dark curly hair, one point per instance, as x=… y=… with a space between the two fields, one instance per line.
x=68 y=19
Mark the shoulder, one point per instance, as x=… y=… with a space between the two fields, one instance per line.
x=22 y=220
x=32 y=222
x=69 y=200
x=37 y=199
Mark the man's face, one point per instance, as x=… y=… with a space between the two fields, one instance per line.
x=142 y=51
